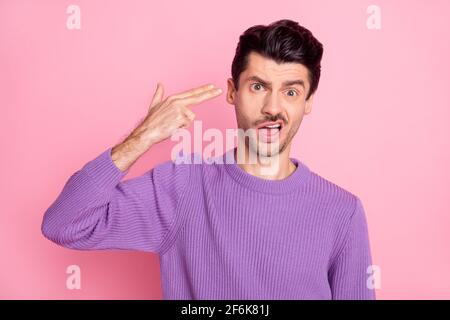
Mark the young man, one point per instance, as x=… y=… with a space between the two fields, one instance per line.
x=231 y=230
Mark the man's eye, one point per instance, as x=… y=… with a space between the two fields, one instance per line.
x=255 y=85
x=295 y=93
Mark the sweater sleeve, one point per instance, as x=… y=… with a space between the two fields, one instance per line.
x=95 y=210
x=348 y=272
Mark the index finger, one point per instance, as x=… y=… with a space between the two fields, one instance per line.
x=198 y=98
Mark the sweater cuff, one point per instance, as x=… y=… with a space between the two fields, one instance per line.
x=103 y=170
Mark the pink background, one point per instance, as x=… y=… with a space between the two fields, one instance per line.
x=379 y=125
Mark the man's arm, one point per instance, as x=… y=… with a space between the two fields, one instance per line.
x=97 y=211
x=348 y=272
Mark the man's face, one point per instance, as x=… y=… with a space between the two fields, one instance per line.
x=265 y=96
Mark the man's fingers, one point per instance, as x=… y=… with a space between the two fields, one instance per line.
x=157 y=97
x=198 y=98
x=189 y=114
x=194 y=91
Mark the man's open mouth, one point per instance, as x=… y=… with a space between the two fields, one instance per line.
x=269 y=131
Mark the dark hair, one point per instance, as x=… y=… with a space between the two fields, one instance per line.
x=282 y=41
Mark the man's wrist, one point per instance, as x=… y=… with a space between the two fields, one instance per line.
x=126 y=153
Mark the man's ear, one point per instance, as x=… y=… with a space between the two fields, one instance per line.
x=308 y=105
x=231 y=93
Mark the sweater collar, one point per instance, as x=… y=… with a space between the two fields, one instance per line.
x=289 y=184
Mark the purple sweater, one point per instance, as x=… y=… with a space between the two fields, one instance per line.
x=220 y=232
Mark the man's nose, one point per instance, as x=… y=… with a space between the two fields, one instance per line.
x=272 y=105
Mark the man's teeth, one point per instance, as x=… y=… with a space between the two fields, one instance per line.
x=273 y=126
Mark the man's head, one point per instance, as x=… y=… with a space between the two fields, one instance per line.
x=275 y=73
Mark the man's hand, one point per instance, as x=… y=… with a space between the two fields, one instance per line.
x=163 y=118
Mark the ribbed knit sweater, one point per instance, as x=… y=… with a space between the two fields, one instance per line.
x=220 y=232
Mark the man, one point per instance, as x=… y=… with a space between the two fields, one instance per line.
x=231 y=230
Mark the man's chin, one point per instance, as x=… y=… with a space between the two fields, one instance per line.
x=269 y=149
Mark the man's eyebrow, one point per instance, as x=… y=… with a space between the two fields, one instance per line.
x=268 y=84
